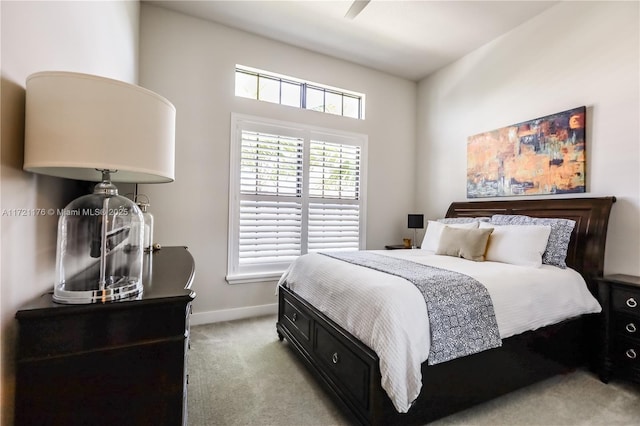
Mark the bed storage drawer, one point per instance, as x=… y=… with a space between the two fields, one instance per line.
x=297 y=321
x=351 y=372
x=347 y=368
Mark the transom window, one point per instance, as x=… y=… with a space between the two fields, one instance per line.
x=293 y=190
x=284 y=90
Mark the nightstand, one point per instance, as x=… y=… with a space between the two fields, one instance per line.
x=397 y=247
x=620 y=298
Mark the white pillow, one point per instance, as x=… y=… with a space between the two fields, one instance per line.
x=434 y=230
x=517 y=244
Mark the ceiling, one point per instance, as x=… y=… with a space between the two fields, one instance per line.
x=407 y=38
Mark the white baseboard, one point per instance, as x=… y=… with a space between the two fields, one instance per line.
x=198 y=318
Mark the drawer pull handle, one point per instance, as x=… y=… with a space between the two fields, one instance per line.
x=631 y=302
x=631 y=327
x=631 y=354
x=335 y=358
x=294 y=317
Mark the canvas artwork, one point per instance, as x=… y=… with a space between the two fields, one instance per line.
x=536 y=157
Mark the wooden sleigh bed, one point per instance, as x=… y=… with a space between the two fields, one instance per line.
x=350 y=372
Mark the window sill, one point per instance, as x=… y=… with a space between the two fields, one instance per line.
x=261 y=277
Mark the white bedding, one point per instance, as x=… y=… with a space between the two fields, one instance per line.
x=388 y=313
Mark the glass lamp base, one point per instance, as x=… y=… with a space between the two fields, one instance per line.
x=126 y=290
x=99 y=255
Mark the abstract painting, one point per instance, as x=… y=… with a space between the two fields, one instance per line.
x=537 y=157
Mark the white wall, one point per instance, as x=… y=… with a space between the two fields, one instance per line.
x=91 y=37
x=574 y=54
x=192 y=63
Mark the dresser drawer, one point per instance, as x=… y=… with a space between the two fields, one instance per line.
x=297 y=322
x=627 y=301
x=350 y=371
x=626 y=353
x=105 y=327
x=627 y=326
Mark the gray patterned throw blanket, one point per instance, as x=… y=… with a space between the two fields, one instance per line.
x=460 y=310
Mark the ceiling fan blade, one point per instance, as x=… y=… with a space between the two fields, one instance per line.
x=356 y=8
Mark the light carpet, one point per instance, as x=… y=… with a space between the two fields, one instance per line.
x=241 y=374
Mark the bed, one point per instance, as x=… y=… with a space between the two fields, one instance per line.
x=350 y=370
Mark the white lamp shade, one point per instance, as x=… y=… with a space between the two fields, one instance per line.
x=77 y=124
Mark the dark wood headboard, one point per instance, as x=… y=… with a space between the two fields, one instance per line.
x=586 y=248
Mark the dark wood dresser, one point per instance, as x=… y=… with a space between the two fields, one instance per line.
x=118 y=363
x=620 y=298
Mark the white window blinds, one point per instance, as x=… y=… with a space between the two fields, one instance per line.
x=270 y=207
x=334 y=191
x=293 y=190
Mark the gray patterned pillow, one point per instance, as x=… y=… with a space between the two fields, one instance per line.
x=558 y=243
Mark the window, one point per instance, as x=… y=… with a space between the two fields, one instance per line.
x=293 y=190
x=280 y=89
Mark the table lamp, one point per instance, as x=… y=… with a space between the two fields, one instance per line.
x=91 y=128
x=415 y=222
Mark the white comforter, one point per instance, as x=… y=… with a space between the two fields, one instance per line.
x=388 y=313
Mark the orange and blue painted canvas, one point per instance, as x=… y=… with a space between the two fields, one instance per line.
x=537 y=157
